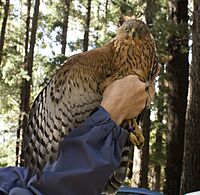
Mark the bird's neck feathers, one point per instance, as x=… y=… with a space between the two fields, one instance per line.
x=133 y=56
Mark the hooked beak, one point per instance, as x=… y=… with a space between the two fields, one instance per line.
x=133 y=31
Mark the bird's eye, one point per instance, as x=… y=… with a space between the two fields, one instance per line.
x=126 y=28
x=141 y=29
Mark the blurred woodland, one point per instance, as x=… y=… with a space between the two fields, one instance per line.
x=38 y=35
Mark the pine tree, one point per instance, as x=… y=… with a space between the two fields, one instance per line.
x=65 y=26
x=30 y=60
x=159 y=131
x=24 y=104
x=87 y=26
x=146 y=123
x=191 y=166
x=177 y=68
x=3 y=28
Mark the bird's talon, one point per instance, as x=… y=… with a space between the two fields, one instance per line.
x=136 y=136
x=133 y=139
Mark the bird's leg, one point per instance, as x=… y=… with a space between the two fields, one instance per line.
x=136 y=137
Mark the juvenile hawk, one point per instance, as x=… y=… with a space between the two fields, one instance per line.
x=76 y=89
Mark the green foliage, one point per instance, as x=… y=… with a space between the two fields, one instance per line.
x=158 y=158
x=6 y=153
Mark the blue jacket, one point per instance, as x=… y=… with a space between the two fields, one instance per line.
x=88 y=156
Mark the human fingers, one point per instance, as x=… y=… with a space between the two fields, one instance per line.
x=135 y=107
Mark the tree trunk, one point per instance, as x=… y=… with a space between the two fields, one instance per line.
x=87 y=26
x=190 y=180
x=158 y=150
x=159 y=132
x=144 y=166
x=30 y=67
x=3 y=28
x=24 y=105
x=123 y=8
x=177 y=70
x=97 y=26
x=157 y=170
x=106 y=11
x=65 y=26
x=150 y=11
x=158 y=144
x=1 y=5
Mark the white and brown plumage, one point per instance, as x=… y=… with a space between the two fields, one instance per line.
x=75 y=90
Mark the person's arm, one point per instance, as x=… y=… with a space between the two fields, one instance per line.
x=88 y=156
x=90 y=153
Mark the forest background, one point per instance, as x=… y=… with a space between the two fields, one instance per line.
x=38 y=35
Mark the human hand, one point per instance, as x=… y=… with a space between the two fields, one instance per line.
x=125 y=98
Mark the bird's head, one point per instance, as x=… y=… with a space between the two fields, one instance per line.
x=135 y=49
x=133 y=29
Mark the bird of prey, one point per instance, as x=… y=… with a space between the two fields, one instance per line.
x=76 y=89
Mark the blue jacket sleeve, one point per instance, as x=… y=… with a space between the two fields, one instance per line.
x=88 y=156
